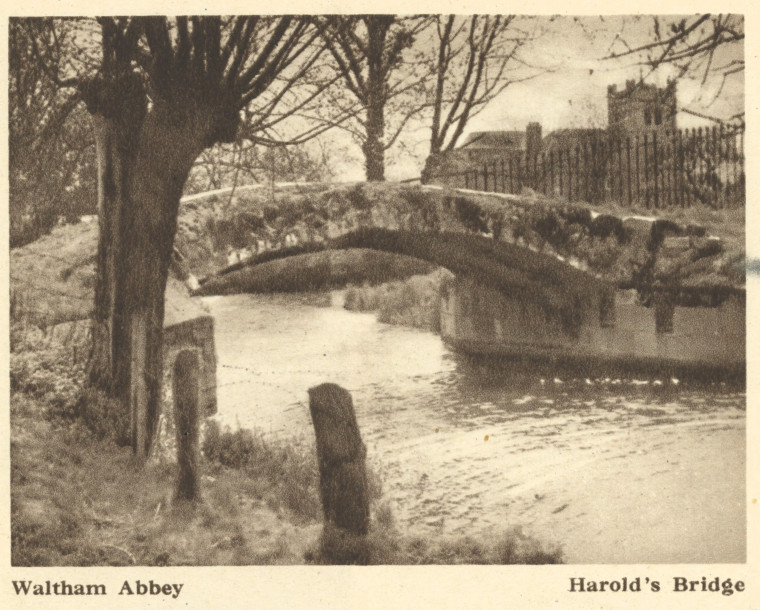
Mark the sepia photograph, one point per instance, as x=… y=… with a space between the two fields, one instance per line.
x=376 y=290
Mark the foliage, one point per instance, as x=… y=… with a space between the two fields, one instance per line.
x=289 y=467
x=470 y=214
x=412 y=302
x=48 y=371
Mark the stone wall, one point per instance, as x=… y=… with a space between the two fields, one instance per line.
x=483 y=321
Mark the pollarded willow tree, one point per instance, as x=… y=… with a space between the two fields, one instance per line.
x=164 y=90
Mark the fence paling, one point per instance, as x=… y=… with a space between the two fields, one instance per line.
x=656 y=169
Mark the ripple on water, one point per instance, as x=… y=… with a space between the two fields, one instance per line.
x=597 y=449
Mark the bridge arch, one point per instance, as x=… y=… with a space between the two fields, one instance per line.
x=514 y=270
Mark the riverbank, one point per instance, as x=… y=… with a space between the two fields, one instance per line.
x=413 y=302
x=469 y=449
x=77 y=498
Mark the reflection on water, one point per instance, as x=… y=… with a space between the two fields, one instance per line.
x=616 y=470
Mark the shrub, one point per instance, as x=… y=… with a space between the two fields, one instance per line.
x=53 y=374
x=470 y=215
x=411 y=302
x=424 y=208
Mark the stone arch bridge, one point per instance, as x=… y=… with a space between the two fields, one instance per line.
x=515 y=298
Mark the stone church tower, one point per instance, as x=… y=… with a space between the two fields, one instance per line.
x=640 y=108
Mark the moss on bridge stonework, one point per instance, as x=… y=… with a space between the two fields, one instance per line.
x=675 y=252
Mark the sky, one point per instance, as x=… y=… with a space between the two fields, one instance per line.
x=572 y=90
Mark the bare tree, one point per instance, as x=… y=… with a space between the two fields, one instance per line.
x=162 y=91
x=372 y=55
x=51 y=149
x=245 y=162
x=475 y=59
x=701 y=46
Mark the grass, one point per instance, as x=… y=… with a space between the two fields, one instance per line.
x=79 y=499
x=91 y=505
x=52 y=280
x=412 y=302
x=385 y=545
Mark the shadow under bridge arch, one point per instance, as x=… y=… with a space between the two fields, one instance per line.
x=517 y=271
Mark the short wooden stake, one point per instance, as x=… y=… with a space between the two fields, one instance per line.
x=186 y=389
x=343 y=478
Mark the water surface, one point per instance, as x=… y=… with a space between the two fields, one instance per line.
x=620 y=471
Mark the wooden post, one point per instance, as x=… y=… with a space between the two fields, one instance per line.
x=186 y=388
x=343 y=479
x=138 y=390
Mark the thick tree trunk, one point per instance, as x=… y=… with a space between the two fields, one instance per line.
x=108 y=366
x=168 y=146
x=143 y=163
x=117 y=107
x=374 y=147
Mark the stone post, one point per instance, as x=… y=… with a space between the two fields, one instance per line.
x=186 y=389
x=343 y=479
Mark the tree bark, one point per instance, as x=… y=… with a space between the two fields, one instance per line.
x=169 y=143
x=110 y=189
x=117 y=108
x=144 y=159
x=374 y=147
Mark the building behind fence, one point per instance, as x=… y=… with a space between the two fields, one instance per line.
x=640 y=159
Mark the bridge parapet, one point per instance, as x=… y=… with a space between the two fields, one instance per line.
x=627 y=251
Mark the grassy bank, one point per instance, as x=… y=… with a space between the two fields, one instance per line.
x=412 y=302
x=78 y=498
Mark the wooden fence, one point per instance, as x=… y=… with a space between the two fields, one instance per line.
x=655 y=169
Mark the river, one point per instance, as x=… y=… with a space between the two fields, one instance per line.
x=616 y=471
